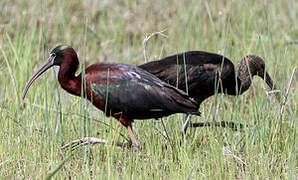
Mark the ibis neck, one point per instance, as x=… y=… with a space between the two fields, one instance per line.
x=66 y=75
x=243 y=77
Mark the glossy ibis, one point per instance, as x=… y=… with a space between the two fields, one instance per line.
x=202 y=74
x=122 y=91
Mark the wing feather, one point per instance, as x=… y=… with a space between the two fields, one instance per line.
x=195 y=70
x=133 y=91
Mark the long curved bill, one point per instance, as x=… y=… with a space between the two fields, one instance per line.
x=42 y=69
x=269 y=82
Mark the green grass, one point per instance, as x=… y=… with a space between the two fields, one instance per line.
x=31 y=135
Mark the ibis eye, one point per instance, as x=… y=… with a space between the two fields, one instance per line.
x=52 y=55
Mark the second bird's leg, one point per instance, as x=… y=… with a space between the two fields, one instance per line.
x=223 y=124
x=187 y=123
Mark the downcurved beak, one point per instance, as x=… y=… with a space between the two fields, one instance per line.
x=270 y=83
x=42 y=69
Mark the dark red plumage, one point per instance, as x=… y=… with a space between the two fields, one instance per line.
x=123 y=91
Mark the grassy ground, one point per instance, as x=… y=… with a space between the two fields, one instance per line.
x=31 y=136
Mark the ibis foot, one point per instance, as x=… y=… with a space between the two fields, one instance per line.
x=130 y=144
x=136 y=148
x=92 y=141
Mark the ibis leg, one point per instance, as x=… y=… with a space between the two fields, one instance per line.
x=187 y=123
x=223 y=124
x=133 y=138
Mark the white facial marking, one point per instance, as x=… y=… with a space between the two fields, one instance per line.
x=61 y=48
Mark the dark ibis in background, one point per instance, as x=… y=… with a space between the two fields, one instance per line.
x=122 y=91
x=202 y=74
